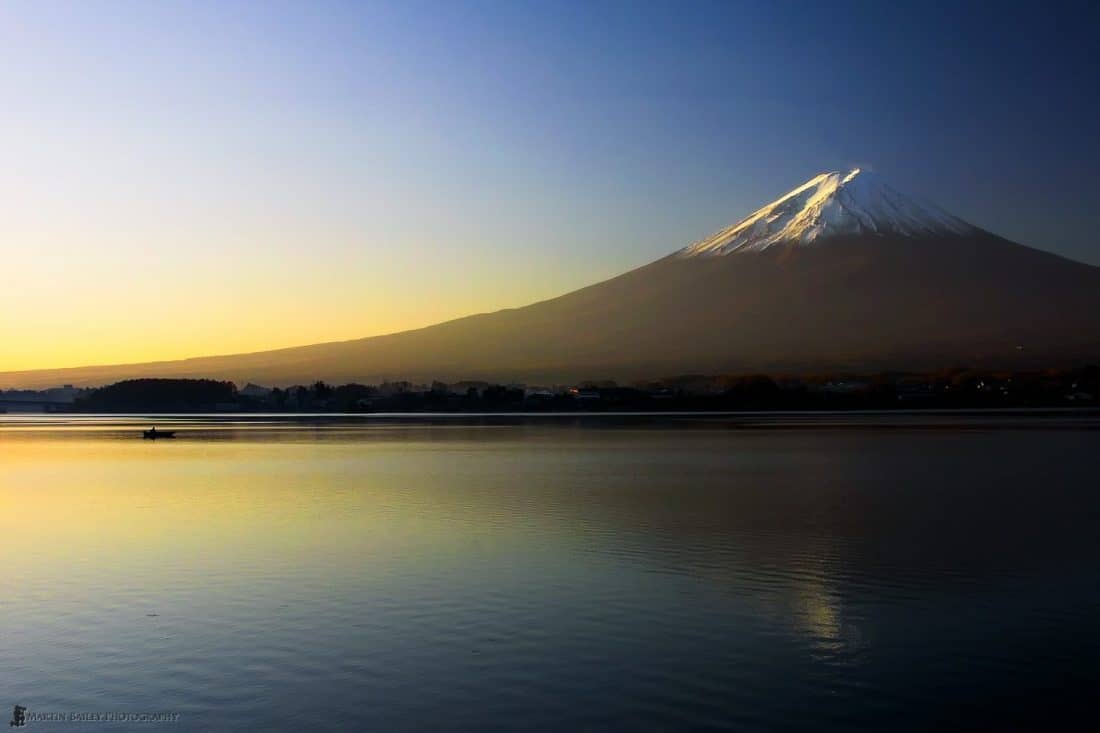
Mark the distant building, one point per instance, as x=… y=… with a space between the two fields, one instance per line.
x=847 y=386
x=914 y=391
x=537 y=393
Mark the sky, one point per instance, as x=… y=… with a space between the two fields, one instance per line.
x=185 y=179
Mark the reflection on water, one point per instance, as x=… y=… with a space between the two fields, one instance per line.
x=566 y=574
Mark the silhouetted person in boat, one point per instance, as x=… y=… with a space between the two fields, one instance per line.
x=153 y=432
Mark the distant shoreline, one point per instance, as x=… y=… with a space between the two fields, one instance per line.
x=950 y=389
x=351 y=418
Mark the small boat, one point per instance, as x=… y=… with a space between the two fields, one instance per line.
x=154 y=434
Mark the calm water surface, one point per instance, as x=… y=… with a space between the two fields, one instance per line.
x=771 y=573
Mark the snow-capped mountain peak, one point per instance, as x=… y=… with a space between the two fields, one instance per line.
x=829 y=205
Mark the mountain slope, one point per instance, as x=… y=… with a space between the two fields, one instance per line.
x=847 y=277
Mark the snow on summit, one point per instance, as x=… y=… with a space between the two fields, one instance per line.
x=829 y=205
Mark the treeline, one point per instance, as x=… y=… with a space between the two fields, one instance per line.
x=160 y=395
x=956 y=388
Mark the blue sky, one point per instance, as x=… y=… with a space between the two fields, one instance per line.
x=400 y=163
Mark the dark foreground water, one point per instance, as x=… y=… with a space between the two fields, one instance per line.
x=759 y=573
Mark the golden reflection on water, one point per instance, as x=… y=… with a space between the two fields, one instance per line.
x=819 y=614
x=119 y=503
x=112 y=505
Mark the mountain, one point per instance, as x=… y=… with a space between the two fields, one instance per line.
x=842 y=273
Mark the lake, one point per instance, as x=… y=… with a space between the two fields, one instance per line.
x=756 y=572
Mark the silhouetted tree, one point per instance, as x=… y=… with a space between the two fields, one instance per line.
x=159 y=395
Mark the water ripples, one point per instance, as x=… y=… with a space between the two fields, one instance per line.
x=551 y=578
